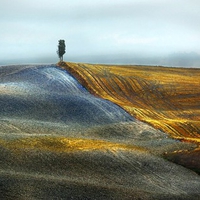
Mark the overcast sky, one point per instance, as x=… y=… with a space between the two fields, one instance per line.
x=97 y=29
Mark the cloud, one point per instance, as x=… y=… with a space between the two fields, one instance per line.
x=124 y=40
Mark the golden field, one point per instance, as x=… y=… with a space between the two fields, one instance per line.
x=166 y=98
x=65 y=145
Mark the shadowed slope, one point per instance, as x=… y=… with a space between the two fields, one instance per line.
x=49 y=94
x=69 y=167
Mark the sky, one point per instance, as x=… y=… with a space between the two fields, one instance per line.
x=97 y=31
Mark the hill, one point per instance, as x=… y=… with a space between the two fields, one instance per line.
x=58 y=141
x=167 y=98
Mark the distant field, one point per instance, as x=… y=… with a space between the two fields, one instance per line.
x=167 y=98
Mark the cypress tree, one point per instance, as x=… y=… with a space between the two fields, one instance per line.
x=61 y=49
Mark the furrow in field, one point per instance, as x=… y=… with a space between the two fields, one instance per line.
x=160 y=96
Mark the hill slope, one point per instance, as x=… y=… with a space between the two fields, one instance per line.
x=57 y=141
x=167 y=98
x=48 y=93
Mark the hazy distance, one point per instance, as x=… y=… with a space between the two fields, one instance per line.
x=157 y=32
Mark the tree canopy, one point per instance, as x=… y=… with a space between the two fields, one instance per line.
x=61 y=49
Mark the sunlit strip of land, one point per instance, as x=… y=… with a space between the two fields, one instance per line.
x=64 y=144
x=167 y=98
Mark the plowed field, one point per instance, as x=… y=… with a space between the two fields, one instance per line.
x=166 y=98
